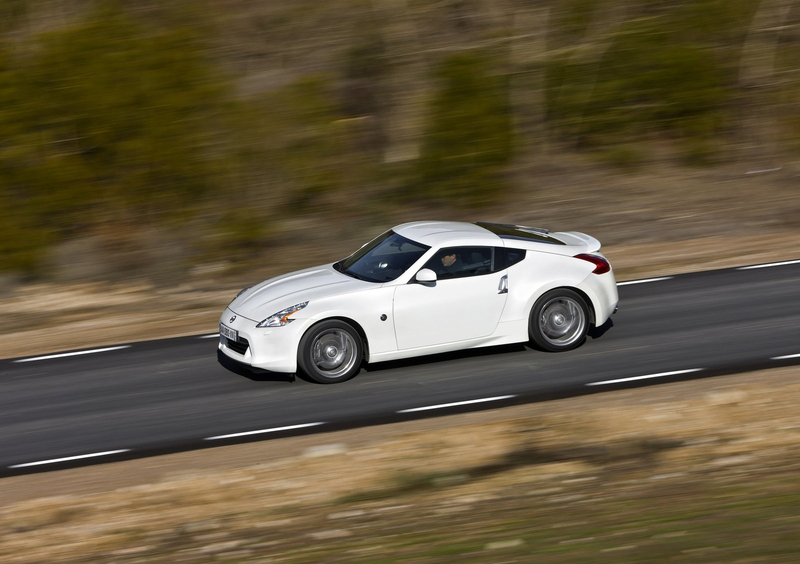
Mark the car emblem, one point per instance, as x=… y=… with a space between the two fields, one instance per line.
x=232 y=319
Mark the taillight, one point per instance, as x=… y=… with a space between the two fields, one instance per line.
x=600 y=263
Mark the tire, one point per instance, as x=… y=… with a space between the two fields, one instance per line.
x=330 y=352
x=559 y=321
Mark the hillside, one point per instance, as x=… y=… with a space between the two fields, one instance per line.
x=155 y=139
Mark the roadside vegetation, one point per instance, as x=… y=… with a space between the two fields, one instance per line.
x=219 y=130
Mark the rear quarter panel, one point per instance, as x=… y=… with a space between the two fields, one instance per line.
x=541 y=272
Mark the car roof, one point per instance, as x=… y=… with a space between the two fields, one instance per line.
x=440 y=233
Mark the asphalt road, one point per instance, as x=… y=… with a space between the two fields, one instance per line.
x=170 y=395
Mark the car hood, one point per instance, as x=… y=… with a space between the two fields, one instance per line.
x=269 y=297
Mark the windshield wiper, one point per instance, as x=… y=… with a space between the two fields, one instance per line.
x=357 y=276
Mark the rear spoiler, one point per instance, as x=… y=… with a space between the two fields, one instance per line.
x=587 y=243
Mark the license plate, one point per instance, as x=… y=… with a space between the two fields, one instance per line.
x=228 y=333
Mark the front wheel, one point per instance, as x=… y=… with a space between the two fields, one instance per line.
x=330 y=352
x=559 y=320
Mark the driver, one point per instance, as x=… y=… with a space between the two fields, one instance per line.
x=451 y=263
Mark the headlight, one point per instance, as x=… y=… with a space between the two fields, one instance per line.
x=282 y=317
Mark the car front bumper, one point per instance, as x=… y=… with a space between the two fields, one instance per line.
x=270 y=348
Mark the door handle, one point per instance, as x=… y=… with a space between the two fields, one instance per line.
x=503 y=288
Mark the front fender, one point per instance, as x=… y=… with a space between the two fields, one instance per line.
x=371 y=311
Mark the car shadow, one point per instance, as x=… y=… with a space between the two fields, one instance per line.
x=593 y=333
x=445 y=357
x=597 y=332
x=254 y=374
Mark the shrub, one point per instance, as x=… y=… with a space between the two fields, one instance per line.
x=106 y=122
x=468 y=139
x=645 y=82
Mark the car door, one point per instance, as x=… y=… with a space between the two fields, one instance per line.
x=464 y=303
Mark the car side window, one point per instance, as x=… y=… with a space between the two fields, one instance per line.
x=513 y=256
x=460 y=262
x=505 y=257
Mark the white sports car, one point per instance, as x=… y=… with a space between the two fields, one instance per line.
x=422 y=288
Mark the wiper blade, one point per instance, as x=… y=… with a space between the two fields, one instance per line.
x=357 y=276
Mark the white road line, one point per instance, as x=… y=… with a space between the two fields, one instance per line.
x=644 y=281
x=62 y=355
x=785 y=357
x=454 y=404
x=769 y=265
x=214 y=336
x=273 y=430
x=763 y=170
x=646 y=376
x=68 y=458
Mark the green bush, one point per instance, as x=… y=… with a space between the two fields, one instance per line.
x=645 y=82
x=468 y=141
x=106 y=122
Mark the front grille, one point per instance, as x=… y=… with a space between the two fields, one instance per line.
x=239 y=346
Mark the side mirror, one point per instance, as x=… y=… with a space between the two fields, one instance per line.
x=426 y=276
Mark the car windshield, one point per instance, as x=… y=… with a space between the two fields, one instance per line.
x=383 y=259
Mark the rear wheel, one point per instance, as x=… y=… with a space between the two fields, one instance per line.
x=559 y=320
x=330 y=352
